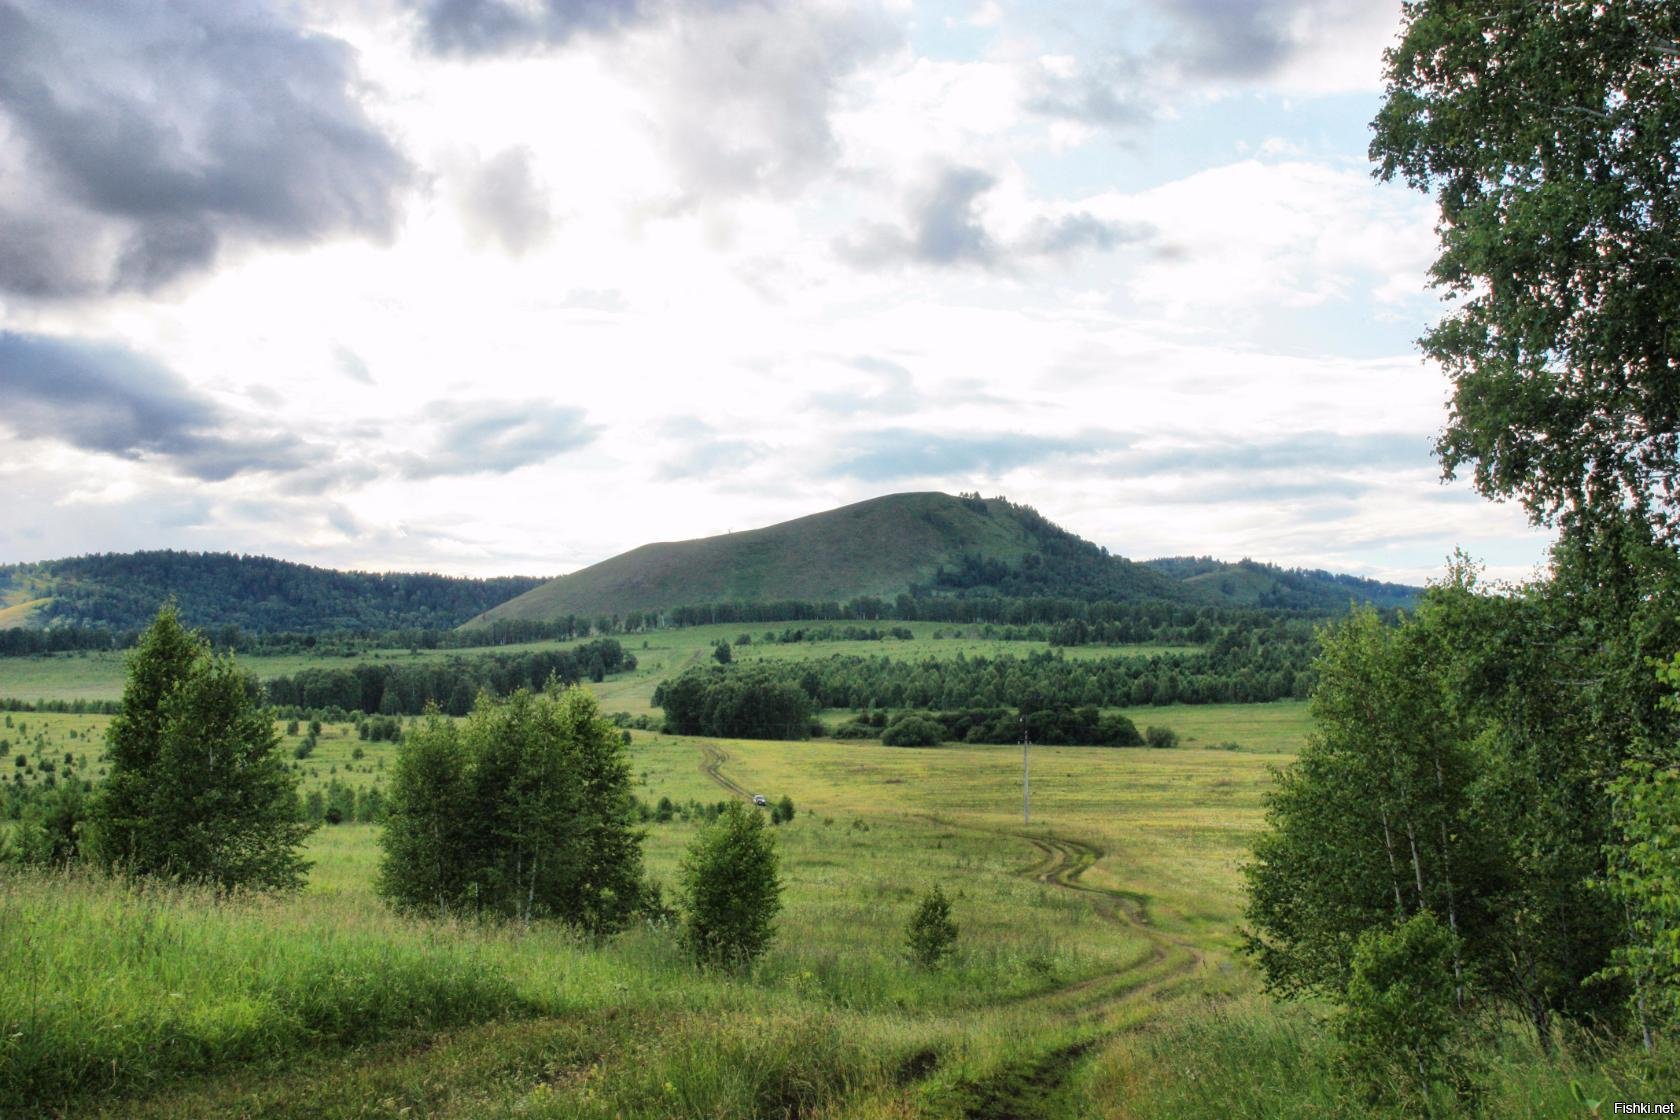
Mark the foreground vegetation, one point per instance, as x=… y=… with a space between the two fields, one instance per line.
x=1059 y=999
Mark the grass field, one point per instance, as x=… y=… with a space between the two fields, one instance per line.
x=1095 y=974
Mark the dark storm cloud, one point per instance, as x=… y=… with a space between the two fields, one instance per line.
x=900 y=453
x=497 y=437
x=504 y=202
x=944 y=229
x=140 y=138
x=110 y=400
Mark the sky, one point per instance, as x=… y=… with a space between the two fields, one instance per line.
x=510 y=286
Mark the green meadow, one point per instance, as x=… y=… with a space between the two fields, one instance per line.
x=1095 y=975
x=1096 y=972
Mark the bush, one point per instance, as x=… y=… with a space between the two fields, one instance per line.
x=1160 y=737
x=913 y=731
x=931 y=935
x=730 y=889
x=1401 y=1029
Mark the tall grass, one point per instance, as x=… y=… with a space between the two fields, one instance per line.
x=111 y=985
x=1253 y=1059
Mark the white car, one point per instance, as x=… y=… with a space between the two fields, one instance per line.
x=758 y=799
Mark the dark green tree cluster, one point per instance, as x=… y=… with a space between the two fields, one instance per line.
x=387 y=688
x=523 y=810
x=740 y=701
x=197 y=789
x=1050 y=726
x=709 y=700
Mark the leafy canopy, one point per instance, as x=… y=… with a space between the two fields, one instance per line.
x=1550 y=137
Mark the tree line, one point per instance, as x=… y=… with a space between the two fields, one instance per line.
x=453 y=684
x=721 y=699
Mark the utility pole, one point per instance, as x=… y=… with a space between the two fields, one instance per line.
x=1026 y=777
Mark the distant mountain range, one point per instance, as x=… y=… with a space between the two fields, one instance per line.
x=920 y=543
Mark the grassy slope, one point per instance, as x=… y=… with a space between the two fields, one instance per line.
x=876 y=547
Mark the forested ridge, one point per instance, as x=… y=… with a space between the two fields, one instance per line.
x=122 y=591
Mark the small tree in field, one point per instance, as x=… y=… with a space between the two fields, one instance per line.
x=932 y=935
x=197 y=789
x=730 y=889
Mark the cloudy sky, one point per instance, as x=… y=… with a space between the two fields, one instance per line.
x=497 y=286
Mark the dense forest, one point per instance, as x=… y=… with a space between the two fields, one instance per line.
x=121 y=592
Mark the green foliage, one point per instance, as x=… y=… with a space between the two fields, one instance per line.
x=910 y=729
x=523 y=811
x=782 y=812
x=392 y=689
x=1644 y=877
x=730 y=889
x=722 y=654
x=744 y=702
x=197 y=789
x=1160 y=737
x=1549 y=135
x=931 y=935
x=1401 y=1028
x=1375 y=821
x=49 y=831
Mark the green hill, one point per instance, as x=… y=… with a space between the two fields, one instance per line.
x=880 y=547
x=1250 y=583
x=122 y=591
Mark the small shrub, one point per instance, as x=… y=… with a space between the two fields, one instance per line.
x=1160 y=737
x=730 y=889
x=913 y=731
x=1401 y=1030
x=931 y=935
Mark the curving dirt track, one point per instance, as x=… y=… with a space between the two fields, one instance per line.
x=1096 y=1007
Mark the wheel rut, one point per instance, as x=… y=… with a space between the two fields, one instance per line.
x=1092 y=1008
